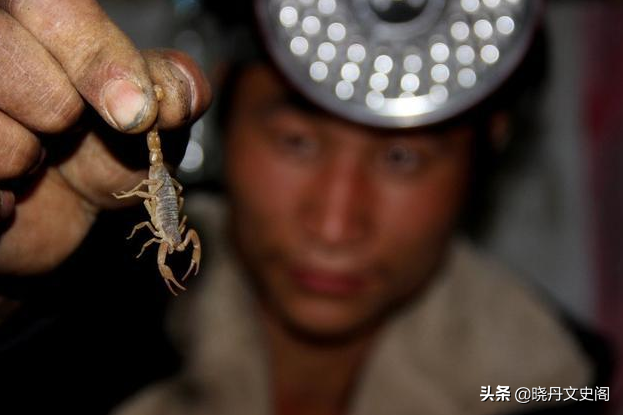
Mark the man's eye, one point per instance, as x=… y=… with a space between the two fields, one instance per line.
x=299 y=145
x=402 y=159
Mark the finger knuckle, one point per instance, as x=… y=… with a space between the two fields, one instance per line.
x=35 y=90
x=62 y=107
x=89 y=55
x=19 y=155
x=95 y=62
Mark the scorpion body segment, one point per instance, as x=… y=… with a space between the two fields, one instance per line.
x=166 y=214
x=163 y=203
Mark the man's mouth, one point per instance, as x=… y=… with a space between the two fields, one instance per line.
x=328 y=282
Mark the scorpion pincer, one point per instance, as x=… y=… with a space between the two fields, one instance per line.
x=164 y=203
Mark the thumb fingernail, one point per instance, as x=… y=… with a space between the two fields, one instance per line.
x=126 y=104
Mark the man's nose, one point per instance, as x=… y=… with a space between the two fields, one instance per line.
x=338 y=205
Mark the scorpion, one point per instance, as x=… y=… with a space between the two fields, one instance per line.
x=164 y=202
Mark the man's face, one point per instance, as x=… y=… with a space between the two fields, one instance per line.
x=337 y=223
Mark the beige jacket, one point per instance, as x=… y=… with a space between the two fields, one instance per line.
x=474 y=327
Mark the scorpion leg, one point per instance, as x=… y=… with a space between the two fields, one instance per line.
x=142 y=225
x=165 y=271
x=146 y=182
x=146 y=244
x=192 y=236
x=177 y=185
x=144 y=195
x=182 y=226
x=159 y=184
x=180 y=203
x=150 y=205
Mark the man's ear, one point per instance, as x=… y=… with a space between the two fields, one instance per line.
x=499 y=130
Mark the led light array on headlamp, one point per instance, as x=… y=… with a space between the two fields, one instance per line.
x=397 y=63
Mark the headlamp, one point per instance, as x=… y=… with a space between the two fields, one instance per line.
x=397 y=63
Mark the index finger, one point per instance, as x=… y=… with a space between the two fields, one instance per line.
x=99 y=59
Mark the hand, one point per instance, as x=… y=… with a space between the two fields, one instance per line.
x=60 y=59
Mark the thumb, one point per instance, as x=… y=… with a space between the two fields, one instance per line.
x=99 y=59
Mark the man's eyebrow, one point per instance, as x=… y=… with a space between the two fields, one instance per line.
x=290 y=100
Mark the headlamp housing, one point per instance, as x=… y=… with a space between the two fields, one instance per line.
x=397 y=63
